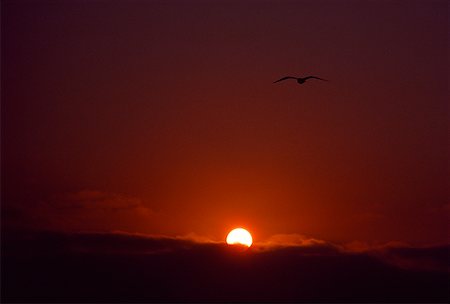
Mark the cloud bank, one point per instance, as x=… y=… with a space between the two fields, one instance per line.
x=124 y=267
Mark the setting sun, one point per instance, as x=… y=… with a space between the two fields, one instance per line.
x=239 y=236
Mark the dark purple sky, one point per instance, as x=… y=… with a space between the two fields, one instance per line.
x=161 y=117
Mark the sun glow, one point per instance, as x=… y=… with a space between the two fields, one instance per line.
x=239 y=236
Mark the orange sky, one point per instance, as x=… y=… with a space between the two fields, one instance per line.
x=161 y=118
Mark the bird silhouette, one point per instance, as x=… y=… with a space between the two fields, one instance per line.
x=300 y=80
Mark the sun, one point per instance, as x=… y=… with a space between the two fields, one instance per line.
x=239 y=236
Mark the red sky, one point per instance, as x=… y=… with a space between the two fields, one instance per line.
x=160 y=117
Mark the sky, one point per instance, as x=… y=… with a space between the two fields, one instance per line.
x=166 y=111
x=154 y=128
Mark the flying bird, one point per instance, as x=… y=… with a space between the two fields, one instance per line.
x=300 y=80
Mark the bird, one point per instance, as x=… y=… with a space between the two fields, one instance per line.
x=300 y=80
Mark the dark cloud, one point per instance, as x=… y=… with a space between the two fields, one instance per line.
x=406 y=256
x=117 y=242
x=83 y=210
x=118 y=266
x=94 y=199
x=430 y=258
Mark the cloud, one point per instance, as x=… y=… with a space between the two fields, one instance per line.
x=427 y=258
x=292 y=240
x=93 y=199
x=397 y=254
x=124 y=267
x=115 y=242
x=86 y=210
x=404 y=255
x=134 y=243
x=394 y=253
x=365 y=247
x=307 y=245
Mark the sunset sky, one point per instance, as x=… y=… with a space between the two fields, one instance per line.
x=161 y=118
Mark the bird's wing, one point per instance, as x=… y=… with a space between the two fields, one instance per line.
x=284 y=78
x=314 y=78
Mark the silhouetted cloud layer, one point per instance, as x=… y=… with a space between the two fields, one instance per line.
x=432 y=258
x=119 y=266
x=82 y=210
